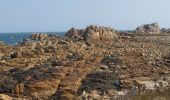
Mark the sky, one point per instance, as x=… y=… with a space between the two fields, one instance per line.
x=61 y=15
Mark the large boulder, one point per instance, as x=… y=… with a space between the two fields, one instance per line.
x=42 y=36
x=74 y=33
x=38 y=37
x=93 y=32
x=34 y=36
x=5 y=97
x=152 y=28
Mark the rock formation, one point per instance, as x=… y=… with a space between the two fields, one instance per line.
x=164 y=30
x=152 y=28
x=100 y=33
x=75 y=33
x=40 y=36
x=93 y=32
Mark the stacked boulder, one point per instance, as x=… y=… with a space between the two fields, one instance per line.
x=152 y=28
x=93 y=32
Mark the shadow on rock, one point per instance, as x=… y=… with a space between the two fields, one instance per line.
x=102 y=81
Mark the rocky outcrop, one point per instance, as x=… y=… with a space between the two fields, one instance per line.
x=164 y=30
x=38 y=37
x=99 y=33
x=152 y=28
x=93 y=32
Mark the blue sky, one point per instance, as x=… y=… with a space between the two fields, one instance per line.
x=60 y=15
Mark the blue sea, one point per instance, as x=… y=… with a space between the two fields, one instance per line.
x=14 y=38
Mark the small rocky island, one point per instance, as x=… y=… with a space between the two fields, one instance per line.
x=95 y=63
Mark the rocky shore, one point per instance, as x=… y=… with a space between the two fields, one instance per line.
x=95 y=63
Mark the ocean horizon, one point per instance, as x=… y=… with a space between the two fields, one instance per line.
x=13 y=38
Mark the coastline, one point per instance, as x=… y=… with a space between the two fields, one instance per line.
x=96 y=63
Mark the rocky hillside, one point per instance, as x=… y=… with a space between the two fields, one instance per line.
x=93 y=63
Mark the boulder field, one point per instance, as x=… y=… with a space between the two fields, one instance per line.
x=95 y=63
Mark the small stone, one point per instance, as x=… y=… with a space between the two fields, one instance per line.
x=104 y=67
x=124 y=67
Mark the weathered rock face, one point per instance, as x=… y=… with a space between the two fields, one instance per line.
x=93 y=32
x=152 y=28
x=101 y=33
x=102 y=81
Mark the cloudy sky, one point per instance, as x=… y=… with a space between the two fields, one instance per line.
x=60 y=15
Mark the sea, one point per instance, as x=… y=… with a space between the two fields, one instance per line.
x=14 y=38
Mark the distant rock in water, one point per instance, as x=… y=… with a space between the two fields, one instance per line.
x=93 y=32
x=152 y=28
